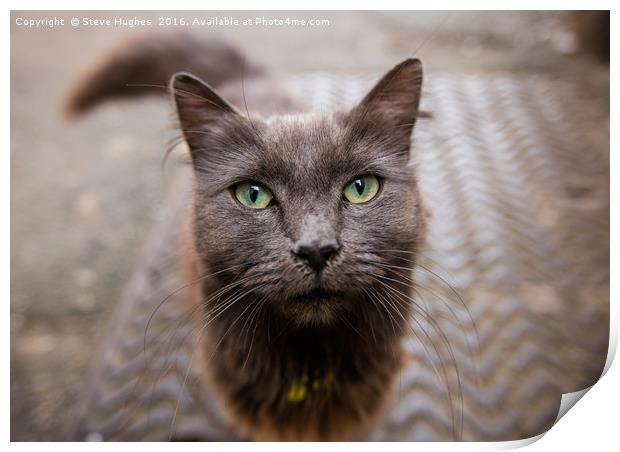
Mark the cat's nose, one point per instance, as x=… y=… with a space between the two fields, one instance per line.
x=316 y=255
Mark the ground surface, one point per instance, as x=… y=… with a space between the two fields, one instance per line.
x=84 y=194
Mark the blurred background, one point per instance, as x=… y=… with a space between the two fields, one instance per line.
x=84 y=194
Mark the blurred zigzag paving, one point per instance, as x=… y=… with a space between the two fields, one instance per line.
x=520 y=230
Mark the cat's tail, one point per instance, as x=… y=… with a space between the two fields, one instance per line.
x=145 y=64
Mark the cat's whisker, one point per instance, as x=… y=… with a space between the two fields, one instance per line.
x=152 y=315
x=165 y=366
x=234 y=322
x=350 y=325
x=170 y=335
x=443 y=337
x=249 y=319
x=171 y=356
x=393 y=346
x=245 y=103
x=444 y=374
x=172 y=145
x=441 y=279
x=174 y=90
x=369 y=322
x=173 y=293
x=256 y=323
x=419 y=309
x=411 y=282
x=387 y=297
x=475 y=354
x=200 y=333
x=391 y=318
x=187 y=316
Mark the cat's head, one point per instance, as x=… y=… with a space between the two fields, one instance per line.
x=309 y=212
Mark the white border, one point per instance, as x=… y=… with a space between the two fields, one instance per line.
x=592 y=424
x=309 y=5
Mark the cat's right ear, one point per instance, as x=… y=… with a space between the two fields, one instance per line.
x=198 y=105
x=395 y=99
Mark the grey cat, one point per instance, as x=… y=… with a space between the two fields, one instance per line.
x=304 y=232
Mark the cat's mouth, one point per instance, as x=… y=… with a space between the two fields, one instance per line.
x=317 y=296
x=317 y=306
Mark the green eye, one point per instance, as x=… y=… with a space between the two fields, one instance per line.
x=362 y=189
x=252 y=195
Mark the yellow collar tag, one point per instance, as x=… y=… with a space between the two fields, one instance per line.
x=299 y=388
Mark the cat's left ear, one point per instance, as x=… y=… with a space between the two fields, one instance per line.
x=395 y=99
x=198 y=105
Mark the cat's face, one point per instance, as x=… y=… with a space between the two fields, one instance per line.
x=306 y=212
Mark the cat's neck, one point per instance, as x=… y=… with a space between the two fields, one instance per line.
x=300 y=383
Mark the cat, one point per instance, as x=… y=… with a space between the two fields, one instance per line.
x=303 y=235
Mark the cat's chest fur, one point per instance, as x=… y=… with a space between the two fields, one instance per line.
x=300 y=385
